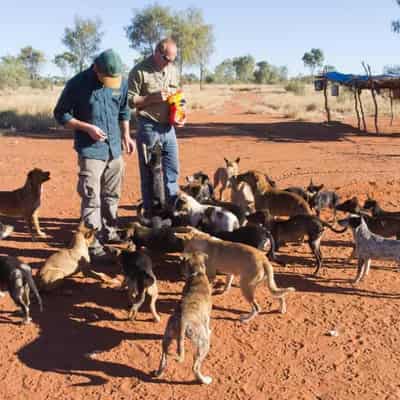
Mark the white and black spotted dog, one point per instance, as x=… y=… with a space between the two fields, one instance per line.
x=369 y=246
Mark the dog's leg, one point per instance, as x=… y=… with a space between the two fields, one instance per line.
x=17 y=294
x=360 y=270
x=169 y=335
x=35 y=221
x=135 y=306
x=353 y=253
x=248 y=292
x=228 y=283
x=203 y=347
x=314 y=245
x=366 y=268
x=153 y=293
x=282 y=305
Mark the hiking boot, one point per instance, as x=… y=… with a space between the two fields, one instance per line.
x=5 y=230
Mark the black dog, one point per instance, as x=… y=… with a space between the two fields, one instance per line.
x=16 y=277
x=253 y=235
x=377 y=211
x=140 y=280
x=199 y=187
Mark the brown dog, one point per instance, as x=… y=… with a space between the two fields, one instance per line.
x=67 y=262
x=223 y=175
x=25 y=202
x=192 y=317
x=230 y=258
x=278 y=202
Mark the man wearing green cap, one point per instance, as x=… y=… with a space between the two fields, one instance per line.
x=94 y=103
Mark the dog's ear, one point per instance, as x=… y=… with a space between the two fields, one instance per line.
x=226 y=161
x=237 y=161
x=320 y=187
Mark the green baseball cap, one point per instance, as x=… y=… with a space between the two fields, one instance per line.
x=109 y=68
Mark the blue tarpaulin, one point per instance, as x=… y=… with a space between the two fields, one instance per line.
x=387 y=80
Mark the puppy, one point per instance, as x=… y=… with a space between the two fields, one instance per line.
x=230 y=258
x=199 y=186
x=223 y=175
x=140 y=280
x=369 y=245
x=25 y=202
x=188 y=205
x=16 y=277
x=67 y=262
x=277 y=202
x=191 y=319
x=216 y=220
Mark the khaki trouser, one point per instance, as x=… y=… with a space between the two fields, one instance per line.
x=99 y=186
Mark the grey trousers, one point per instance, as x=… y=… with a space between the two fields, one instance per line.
x=99 y=186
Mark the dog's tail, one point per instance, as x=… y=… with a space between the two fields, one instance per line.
x=332 y=228
x=27 y=272
x=275 y=291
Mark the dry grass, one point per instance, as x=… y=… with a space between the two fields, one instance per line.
x=31 y=109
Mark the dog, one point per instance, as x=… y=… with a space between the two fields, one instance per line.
x=300 y=192
x=191 y=319
x=324 y=199
x=199 y=186
x=140 y=280
x=196 y=211
x=230 y=258
x=223 y=175
x=277 y=202
x=313 y=189
x=67 y=262
x=253 y=235
x=215 y=220
x=377 y=211
x=369 y=245
x=25 y=201
x=296 y=228
x=159 y=239
x=238 y=211
x=242 y=196
x=16 y=277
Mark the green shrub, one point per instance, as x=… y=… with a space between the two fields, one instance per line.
x=296 y=87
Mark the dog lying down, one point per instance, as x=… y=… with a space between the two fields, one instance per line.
x=140 y=280
x=67 y=262
x=369 y=245
x=230 y=258
x=191 y=319
x=16 y=277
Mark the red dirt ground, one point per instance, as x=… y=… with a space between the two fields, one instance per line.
x=82 y=347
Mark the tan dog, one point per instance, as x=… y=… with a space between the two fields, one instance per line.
x=242 y=196
x=191 y=319
x=67 y=262
x=249 y=263
x=223 y=175
x=279 y=203
x=25 y=202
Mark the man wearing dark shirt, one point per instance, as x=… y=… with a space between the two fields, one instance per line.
x=94 y=103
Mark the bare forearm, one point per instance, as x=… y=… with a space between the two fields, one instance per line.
x=77 y=124
x=124 y=125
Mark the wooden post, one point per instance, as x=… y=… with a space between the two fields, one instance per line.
x=356 y=108
x=362 y=110
x=372 y=85
x=328 y=112
x=391 y=106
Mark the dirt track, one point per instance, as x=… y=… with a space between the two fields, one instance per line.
x=81 y=346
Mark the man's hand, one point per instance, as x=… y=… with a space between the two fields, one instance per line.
x=96 y=133
x=128 y=144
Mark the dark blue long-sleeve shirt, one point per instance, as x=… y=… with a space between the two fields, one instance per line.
x=85 y=99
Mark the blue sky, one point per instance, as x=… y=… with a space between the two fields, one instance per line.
x=280 y=32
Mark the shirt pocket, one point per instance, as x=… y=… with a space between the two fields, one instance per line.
x=95 y=106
